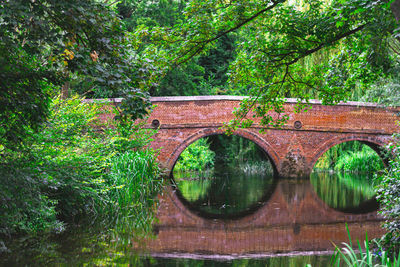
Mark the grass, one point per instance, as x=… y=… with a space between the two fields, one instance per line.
x=363 y=257
x=352 y=156
x=365 y=160
x=135 y=182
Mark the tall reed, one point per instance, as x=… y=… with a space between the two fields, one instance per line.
x=135 y=182
x=363 y=257
x=352 y=156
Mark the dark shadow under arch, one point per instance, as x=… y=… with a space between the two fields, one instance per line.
x=249 y=211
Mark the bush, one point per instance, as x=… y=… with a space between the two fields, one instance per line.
x=23 y=205
x=196 y=157
x=366 y=160
x=388 y=195
x=68 y=172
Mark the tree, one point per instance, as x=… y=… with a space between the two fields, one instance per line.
x=204 y=74
x=45 y=43
x=278 y=37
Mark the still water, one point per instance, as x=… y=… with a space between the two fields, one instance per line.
x=226 y=217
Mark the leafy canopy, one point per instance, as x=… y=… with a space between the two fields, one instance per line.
x=45 y=43
x=277 y=37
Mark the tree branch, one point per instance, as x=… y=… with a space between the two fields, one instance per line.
x=203 y=43
x=319 y=47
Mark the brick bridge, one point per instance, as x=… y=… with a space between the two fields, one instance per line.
x=293 y=149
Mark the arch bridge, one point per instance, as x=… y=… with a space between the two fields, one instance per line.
x=292 y=149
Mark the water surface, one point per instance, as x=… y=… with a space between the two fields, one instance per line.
x=225 y=218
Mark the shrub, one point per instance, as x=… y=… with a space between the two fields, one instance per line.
x=366 y=160
x=23 y=205
x=67 y=173
x=388 y=195
x=196 y=157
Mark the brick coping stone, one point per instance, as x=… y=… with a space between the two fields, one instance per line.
x=227 y=98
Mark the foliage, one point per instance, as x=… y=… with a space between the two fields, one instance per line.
x=366 y=160
x=276 y=39
x=235 y=150
x=183 y=80
x=46 y=43
x=329 y=159
x=68 y=174
x=343 y=191
x=60 y=165
x=361 y=258
x=24 y=207
x=388 y=195
x=385 y=91
x=350 y=156
x=197 y=156
x=203 y=75
x=135 y=182
x=150 y=13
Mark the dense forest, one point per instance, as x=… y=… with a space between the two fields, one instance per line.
x=58 y=170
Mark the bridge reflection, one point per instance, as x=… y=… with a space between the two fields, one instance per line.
x=293 y=219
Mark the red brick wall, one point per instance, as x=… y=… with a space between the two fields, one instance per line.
x=293 y=151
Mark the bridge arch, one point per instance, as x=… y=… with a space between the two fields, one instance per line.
x=375 y=143
x=261 y=142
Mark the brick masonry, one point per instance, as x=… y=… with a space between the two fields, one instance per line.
x=293 y=151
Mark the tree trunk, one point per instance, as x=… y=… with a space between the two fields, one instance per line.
x=395 y=7
x=65 y=90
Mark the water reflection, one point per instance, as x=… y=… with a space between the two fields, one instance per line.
x=224 y=192
x=299 y=216
x=315 y=261
x=295 y=218
x=347 y=192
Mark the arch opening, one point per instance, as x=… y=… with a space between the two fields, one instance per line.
x=342 y=177
x=219 y=176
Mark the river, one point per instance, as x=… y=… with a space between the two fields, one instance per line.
x=226 y=217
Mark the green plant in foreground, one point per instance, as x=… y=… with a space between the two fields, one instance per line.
x=388 y=195
x=135 y=182
x=361 y=258
x=67 y=173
